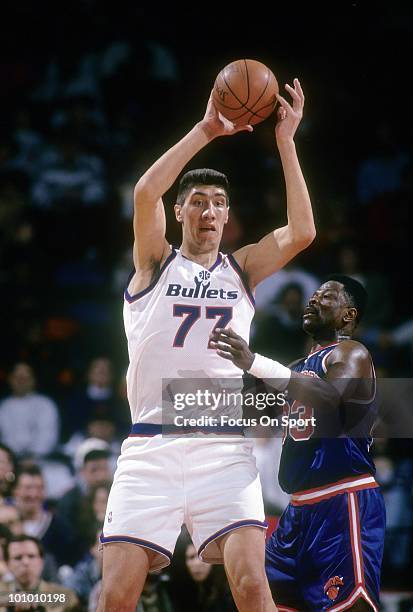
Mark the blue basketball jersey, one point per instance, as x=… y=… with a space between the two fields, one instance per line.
x=308 y=461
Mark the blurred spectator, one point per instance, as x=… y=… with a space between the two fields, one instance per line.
x=379 y=304
x=28 y=141
x=29 y=422
x=10 y=518
x=98 y=401
x=271 y=288
x=395 y=475
x=93 y=510
x=68 y=177
x=5 y=574
x=54 y=533
x=24 y=557
x=92 y=469
x=381 y=172
x=154 y=598
x=207 y=588
x=7 y=471
x=398 y=337
x=279 y=332
x=87 y=573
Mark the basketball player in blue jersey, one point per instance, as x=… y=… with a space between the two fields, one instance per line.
x=327 y=551
x=174 y=298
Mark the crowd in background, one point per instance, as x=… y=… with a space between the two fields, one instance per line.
x=90 y=104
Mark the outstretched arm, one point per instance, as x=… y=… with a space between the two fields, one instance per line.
x=149 y=215
x=346 y=366
x=277 y=248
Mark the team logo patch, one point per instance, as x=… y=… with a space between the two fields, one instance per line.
x=204 y=275
x=110 y=517
x=332 y=587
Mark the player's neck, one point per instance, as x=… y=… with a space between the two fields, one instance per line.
x=324 y=339
x=206 y=260
x=327 y=339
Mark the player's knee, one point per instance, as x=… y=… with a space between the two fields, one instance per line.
x=252 y=587
x=113 y=599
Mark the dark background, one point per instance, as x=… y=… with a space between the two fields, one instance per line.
x=113 y=85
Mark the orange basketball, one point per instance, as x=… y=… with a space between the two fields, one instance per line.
x=244 y=92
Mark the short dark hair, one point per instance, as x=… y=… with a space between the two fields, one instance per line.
x=201 y=176
x=354 y=290
x=23 y=538
x=96 y=454
x=29 y=470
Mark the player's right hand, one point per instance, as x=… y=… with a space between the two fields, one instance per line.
x=214 y=124
x=230 y=345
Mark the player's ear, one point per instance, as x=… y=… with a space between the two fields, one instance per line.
x=227 y=215
x=178 y=212
x=350 y=315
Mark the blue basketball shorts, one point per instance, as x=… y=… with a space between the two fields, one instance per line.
x=327 y=550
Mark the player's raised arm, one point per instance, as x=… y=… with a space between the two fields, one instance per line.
x=277 y=248
x=149 y=215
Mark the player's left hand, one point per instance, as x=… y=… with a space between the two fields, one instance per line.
x=289 y=117
x=230 y=345
x=214 y=124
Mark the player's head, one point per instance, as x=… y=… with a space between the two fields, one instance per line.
x=202 y=207
x=336 y=307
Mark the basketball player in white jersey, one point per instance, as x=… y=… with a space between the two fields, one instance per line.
x=173 y=301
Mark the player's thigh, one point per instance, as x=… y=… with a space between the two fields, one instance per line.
x=125 y=568
x=223 y=493
x=243 y=552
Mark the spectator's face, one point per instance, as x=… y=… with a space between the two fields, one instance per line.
x=293 y=303
x=29 y=494
x=348 y=260
x=100 y=373
x=22 y=379
x=25 y=563
x=102 y=429
x=100 y=501
x=198 y=570
x=6 y=466
x=9 y=516
x=96 y=471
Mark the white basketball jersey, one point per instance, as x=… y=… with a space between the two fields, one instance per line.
x=168 y=325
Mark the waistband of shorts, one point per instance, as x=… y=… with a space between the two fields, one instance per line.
x=351 y=484
x=149 y=430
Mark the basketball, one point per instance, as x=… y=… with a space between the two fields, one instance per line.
x=245 y=92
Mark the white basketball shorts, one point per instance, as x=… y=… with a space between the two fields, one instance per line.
x=210 y=484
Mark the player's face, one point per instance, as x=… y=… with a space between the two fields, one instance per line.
x=325 y=309
x=198 y=569
x=203 y=216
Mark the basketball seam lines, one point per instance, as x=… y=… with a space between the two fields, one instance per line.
x=248 y=80
x=249 y=110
